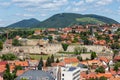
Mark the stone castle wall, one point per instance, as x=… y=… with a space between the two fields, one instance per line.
x=53 y=48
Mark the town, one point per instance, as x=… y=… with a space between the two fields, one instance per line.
x=77 y=52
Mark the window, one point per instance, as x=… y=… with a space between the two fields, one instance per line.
x=62 y=78
x=62 y=74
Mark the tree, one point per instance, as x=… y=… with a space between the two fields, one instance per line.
x=7 y=75
x=87 y=42
x=93 y=55
x=84 y=49
x=100 y=70
x=50 y=38
x=115 y=53
x=107 y=39
x=92 y=79
x=59 y=39
x=79 y=58
x=115 y=46
x=7 y=68
x=17 y=68
x=75 y=40
x=1 y=45
x=8 y=56
x=52 y=58
x=102 y=78
x=40 y=65
x=77 y=50
x=16 y=42
x=64 y=46
x=116 y=68
x=57 y=61
x=48 y=62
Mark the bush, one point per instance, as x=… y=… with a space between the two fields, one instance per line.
x=16 y=42
x=8 y=56
x=102 y=78
x=100 y=70
x=79 y=58
x=93 y=55
x=1 y=45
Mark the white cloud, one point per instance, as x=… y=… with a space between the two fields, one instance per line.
x=78 y=3
x=89 y=1
x=75 y=9
x=103 y=2
x=40 y=4
x=118 y=10
x=43 y=15
x=24 y=15
x=33 y=1
x=5 y=4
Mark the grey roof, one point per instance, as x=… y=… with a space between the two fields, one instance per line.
x=81 y=65
x=35 y=75
x=72 y=68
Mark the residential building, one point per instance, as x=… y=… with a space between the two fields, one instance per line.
x=70 y=73
x=37 y=32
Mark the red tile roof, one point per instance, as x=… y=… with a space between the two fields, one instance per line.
x=19 y=72
x=95 y=75
x=71 y=60
x=67 y=29
x=51 y=29
x=83 y=75
x=115 y=78
x=2 y=68
x=107 y=75
x=117 y=58
x=102 y=58
x=100 y=42
x=91 y=75
x=3 y=63
x=21 y=63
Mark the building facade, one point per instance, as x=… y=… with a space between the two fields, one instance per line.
x=70 y=73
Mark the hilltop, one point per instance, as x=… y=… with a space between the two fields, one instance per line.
x=64 y=20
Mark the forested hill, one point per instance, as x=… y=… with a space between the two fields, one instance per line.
x=25 y=23
x=64 y=20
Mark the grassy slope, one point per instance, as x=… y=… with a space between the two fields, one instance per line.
x=89 y=20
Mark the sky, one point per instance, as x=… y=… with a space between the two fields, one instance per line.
x=12 y=11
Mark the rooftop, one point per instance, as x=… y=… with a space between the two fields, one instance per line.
x=72 y=68
x=35 y=75
x=69 y=68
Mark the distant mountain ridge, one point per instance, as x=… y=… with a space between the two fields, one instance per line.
x=64 y=20
x=25 y=23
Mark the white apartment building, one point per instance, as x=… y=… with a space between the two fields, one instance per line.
x=70 y=73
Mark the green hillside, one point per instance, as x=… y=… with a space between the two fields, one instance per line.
x=68 y=19
x=65 y=20
x=88 y=20
x=25 y=23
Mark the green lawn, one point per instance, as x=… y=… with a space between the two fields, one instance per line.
x=73 y=53
x=89 y=20
x=66 y=52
